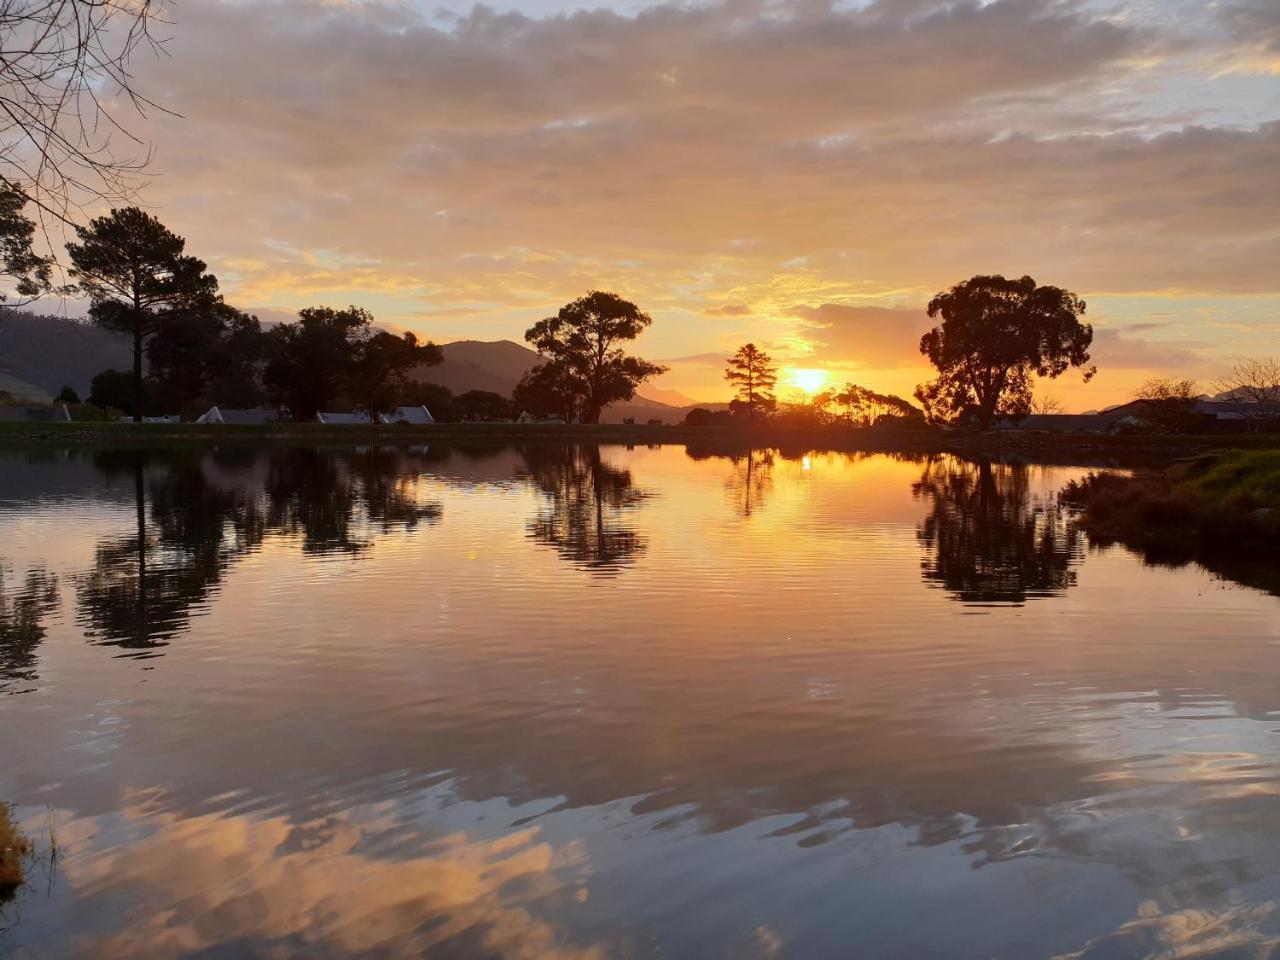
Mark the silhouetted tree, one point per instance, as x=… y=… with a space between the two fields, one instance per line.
x=752 y=374
x=18 y=260
x=1169 y=405
x=310 y=362
x=212 y=354
x=436 y=398
x=67 y=395
x=116 y=390
x=1255 y=384
x=987 y=541
x=137 y=277
x=584 y=342
x=587 y=504
x=864 y=407
x=482 y=405
x=995 y=336
x=702 y=417
x=22 y=612
x=548 y=390
x=381 y=367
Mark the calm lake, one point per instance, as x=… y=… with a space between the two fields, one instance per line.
x=589 y=702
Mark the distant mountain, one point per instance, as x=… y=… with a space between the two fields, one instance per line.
x=495 y=365
x=53 y=352
x=498 y=365
x=672 y=398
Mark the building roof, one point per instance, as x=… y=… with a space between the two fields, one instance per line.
x=1066 y=422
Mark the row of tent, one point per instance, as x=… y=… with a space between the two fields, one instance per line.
x=230 y=417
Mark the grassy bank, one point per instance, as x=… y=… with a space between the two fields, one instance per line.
x=1086 y=449
x=1221 y=510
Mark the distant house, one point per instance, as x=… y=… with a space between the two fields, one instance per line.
x=1227 y=409
x=1135 y=416
x=46 y=413
x=244 y=417
x=1063 y=423
x=164 y=418
x=344 y=419
x=418 y=414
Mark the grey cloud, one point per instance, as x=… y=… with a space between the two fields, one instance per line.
x=1118 y=350
x=514 y=160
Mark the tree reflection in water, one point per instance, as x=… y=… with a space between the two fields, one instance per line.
x=585 y=517
x=988 y=540
x=751 y=482
x=23 y=609
x=196 y=515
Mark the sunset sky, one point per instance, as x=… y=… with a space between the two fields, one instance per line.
x=802 y=174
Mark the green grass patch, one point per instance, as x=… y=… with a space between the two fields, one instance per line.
x=1245 y=480
x=1222 y=511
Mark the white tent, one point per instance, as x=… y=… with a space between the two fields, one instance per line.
x=407 y=415
x=43 y=414
x=354 y=418
x=236 y=417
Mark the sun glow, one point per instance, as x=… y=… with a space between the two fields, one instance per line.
x=807 y=379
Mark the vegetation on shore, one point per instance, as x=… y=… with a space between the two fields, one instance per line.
x=15 y=849
x=1221 y=510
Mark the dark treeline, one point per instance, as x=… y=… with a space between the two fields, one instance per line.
x=192 y=350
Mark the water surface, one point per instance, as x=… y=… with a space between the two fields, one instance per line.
x=610 y=702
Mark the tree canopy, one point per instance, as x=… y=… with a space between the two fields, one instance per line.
x=583 y=346
x=546 y=391
x=137 y=276
x=996 y=335
x=310 y=362
x=381 y=368
x=752 y=374
x=863 y=406
x=18 y=260
x=208 y=355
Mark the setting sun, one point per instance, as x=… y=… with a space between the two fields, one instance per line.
x=807 y=379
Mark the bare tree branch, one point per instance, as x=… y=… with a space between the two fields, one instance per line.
x=64 y=74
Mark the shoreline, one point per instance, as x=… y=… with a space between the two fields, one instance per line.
x=1067 y=448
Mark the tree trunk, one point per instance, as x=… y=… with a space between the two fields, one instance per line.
x=137 y=374
x=140 y=501
x=591 y=413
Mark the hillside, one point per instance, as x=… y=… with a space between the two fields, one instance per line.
x=53 y=352
x=22 y=391
x=498 y=365
x=494 y=365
